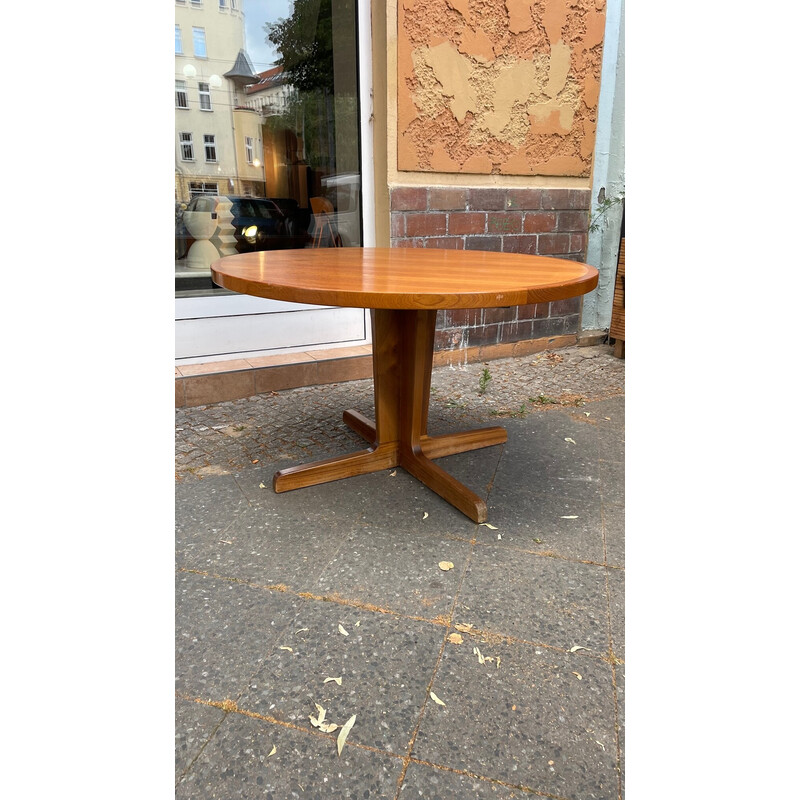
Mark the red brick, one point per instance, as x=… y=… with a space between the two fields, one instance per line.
x=577 y=242
x=398 y=225
x=487 y=199
x=520 y=244
x=445 y=198
x=580 y=198
x=572 y=221
x=493 y=244
x=533 y=310
x=409 y=198
x=464 y=316
x=524 y=199
x=434 y=224
x=555 y=198
x=466 y=222
x=408 y=243
x=539 y=222
x=491 y=315
x=553 y=244
x=445 y=242
x=504 y=222
x=561 y=308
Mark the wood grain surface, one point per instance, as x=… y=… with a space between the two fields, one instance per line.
x=403 y=278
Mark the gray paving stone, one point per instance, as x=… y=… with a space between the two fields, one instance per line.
x=268 y=548
x=614 y=530
x=195 y=724
x=385 y=663
x=530 y=722
x=541 y=522
x=237 y=764
x=398 y=571
x=223 y=632
x=432 y=783
x=535 y=598
x=206 y=506
x=616 y=587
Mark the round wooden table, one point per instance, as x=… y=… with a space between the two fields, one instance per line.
x=404 y=287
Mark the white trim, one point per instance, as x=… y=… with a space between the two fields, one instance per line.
x=366 y=122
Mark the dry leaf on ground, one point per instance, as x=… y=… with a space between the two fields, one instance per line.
x=344 y=733
x=446 y=565
x=343 y=631
x=455 y=638
x=577 y=647
x=465 y=627
x=568 y=439
x=437 y=700
x=490 y=527
x=336 y=680
x=272 y=752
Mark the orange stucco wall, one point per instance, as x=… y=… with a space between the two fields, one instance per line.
x=504 y=87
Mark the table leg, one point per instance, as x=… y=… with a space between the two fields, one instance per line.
x=402 y=343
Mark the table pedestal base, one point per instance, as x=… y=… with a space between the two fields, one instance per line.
x=402 y=357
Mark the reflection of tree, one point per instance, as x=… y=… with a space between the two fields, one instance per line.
x=305 y=42
x=305 y=45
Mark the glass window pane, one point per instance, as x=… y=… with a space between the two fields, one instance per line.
x=278 y=126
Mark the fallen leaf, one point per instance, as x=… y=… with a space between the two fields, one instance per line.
x=608 y=418
x=497 y=664
x=600 y=743
x=587 y=413
x=344 y=732
x=358 y=623
x=225 y=541
x=320 y=718
x=437 y=700
x=273 y=751
x=300 y=630
x=343 y=631
x=425 y=515
x=577 y=647
x=286 y=648
x=446 y=565
x=393 y=473
x=338 y=680
x=328 y=727
x=455 y=638
x=478 y=653
x=490 y=527
x=466 y=628
x=578 y=675
x=499 y=535
x=574 y=516
x=567 y=439
x=261 y=486
x=255 y=461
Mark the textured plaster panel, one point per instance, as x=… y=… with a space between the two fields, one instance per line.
x=498 y=86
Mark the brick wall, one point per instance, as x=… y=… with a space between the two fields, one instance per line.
x=547 y=222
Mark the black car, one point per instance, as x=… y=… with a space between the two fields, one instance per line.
x=255 y=223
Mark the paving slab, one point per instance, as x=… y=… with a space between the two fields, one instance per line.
x=263 y=581
x=238 y=764
x=223 y=633
x=530 y=722
x=385 y=664
x=535 y=598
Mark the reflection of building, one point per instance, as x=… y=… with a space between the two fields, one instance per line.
x=218 y=147
x=271 y=94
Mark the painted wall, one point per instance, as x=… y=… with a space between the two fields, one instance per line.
x=503 y=87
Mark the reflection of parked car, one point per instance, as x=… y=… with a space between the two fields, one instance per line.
x=215 y=225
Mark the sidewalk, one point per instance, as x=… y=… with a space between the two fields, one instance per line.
x=521 y=641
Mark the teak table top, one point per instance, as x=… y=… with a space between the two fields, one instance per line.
x=403 y=278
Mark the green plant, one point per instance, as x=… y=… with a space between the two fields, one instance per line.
x=542 y=400
x=483 y=381
x=603 y=206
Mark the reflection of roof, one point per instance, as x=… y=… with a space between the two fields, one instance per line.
x=242 y=70
x=268 y=80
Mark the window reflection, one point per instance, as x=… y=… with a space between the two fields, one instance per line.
x=268 y=158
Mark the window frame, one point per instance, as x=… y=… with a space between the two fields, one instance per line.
x=184 y=143
x=204 y=95
x=249 y=149
x=181 y=92
x=178 y=40
x=210 y=144
x=197 y=31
